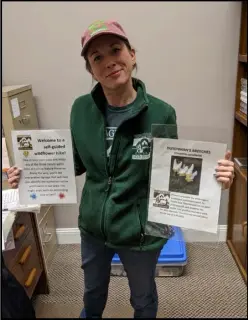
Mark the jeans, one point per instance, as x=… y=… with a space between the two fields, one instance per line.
x=140 y=267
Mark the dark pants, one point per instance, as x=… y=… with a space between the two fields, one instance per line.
x=140 y=267
x=15 y=301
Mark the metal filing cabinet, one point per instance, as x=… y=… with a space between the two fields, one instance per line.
x=19 y=113
x=47 y=233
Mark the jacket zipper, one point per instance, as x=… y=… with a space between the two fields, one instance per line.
x=110 y=173
x=110 y=180
x=108 y=185
x=142 y=235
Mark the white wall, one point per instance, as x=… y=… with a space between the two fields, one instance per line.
x=187 y=55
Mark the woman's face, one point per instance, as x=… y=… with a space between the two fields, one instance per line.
x=111 y=61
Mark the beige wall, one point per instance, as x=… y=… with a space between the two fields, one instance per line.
x=187 y=55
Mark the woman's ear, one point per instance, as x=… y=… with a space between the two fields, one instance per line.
x=93 y=77
x=91 y=72
x=133 y=55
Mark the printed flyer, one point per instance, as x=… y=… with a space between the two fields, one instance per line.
x=183 y=189
x=46 y=160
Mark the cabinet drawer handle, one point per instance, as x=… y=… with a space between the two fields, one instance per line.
x=25 y=255
x=244 y=225
x=26 y=119
x=22 y=104
x=31 y=277
x=48 y=235
x=19 y=232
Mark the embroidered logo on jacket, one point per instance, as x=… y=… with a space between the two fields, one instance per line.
x=142 y=147
x=110 y=133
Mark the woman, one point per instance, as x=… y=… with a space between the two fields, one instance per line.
x=111 y=129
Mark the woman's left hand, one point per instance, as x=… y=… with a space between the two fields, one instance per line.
x=225 y=171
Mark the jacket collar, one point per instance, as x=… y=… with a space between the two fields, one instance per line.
x=100 y=100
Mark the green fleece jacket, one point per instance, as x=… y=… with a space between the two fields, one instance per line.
x=114 y=201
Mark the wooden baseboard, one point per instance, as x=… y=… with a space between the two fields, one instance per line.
x=237 y=260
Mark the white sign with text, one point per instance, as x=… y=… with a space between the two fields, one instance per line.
x=46 y=160
x=183 y=189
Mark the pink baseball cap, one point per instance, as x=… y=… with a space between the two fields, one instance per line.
x=101 y=27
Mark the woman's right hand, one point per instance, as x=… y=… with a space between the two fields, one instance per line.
x=14 y=175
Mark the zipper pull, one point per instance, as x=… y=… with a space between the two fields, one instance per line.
x=109 y=183
x=142 y=238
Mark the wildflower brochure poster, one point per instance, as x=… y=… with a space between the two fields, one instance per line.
x=47 y=168
x=183 y=189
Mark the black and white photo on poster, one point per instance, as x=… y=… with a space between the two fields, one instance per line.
x=24 y=142
x=161 y=199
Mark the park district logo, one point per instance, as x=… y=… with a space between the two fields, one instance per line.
x=141 y=147
x=110 y=133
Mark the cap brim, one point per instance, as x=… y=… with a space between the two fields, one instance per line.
x=85 y=48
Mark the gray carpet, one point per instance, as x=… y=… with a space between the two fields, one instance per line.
x=211 y=286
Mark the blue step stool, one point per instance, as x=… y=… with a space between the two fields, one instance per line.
x=171 y=262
